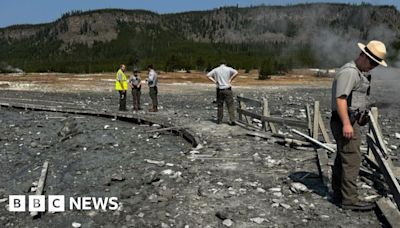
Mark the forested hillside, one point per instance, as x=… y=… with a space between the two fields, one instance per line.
x=305 y=35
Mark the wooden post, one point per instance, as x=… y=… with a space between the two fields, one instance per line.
x=240 y=106
x=390 y=211
x=316 y=121
x=384 y=166
x=370 y=155
x=309 y=120
x=267 y=114
x=41 y=183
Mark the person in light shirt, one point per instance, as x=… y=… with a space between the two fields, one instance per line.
x=223 y=76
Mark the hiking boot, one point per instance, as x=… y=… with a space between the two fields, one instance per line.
x=232 y=123
x=359 y=206
x=153 y=109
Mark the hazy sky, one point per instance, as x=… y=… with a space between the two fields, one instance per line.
x=42 y=11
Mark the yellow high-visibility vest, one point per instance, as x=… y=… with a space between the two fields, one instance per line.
x=123 y=82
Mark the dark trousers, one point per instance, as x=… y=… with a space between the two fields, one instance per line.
x=347 y=163
x=136 y=98
x=122 y=100
x=153 y=95
x=225 y=95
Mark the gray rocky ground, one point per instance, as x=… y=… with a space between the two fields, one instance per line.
x=248 y=182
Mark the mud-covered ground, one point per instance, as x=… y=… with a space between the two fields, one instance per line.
x=242 y=181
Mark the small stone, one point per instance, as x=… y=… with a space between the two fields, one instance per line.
x=393 y=147
x=227 y=222
x=257 y=220
x=159 y=163
x=324 y=217
x=278 y=194
x=261 y=190
x=117 y=177
x=286 y=206
x=140 y=215
x=167 y=172
x=163 y=225
x=297 y=187
x=256 y=157
x=277 y=189
x=397 y=135
x=76 y=225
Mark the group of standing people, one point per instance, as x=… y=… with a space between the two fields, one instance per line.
x=135 y=83
x=350 y=92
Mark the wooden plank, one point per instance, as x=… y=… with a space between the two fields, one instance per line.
x=323 y=167
x=246 y=125
x=384 y=166
x=243 y=107
x=267 y=114
x=239 y=114
x=370 y=155
x=309 y=120
x=389 y=210
x=249 y=101
x=325 y=134
x=314 y=141
x=316 y=120
x=378 y=136
x=41 y=183
x=279 y=120
x=161 y=129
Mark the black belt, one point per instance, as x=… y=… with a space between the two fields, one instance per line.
x=335 y=115
x=230 y=88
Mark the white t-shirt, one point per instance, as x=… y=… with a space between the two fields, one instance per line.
x=222 y=75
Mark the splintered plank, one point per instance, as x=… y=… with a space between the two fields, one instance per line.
x=267 y=114
x=384 y=166
x=316 y=120
x=309 y=120
x=41 y=183
x=323 y=166
x=278 y=120
x=370 y=155
x=323 y=130
x=390 y=211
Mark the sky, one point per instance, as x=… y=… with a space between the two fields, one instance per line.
x=43 y=11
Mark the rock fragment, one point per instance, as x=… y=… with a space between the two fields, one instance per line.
x=227 y=222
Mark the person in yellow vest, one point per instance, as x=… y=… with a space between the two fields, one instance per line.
x=121 y=85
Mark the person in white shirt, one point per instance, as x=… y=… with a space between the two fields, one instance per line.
x=223 y=76
x=152 y=82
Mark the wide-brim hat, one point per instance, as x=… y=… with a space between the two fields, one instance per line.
x=375 y=50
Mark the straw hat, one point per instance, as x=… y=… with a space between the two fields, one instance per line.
x=376 y=50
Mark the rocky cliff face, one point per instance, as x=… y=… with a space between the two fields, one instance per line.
x=298 y=23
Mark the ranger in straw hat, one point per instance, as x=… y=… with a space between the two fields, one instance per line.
x=350 y=91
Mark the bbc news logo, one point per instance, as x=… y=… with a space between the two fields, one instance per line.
x=57 y=203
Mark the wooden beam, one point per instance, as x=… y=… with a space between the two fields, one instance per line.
x=323 y=130
x=387 y=172
x=316 y=120
x=324 y=168
x=309 y=120
x=314 y=141
x=243 y=107
x=266 y=113
x=249 y=101
x=370 y=154
x=41 y=183
x=378 y=136
x=389 y=210
x=279 y=120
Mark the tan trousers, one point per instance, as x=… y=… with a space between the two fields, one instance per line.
x=347 y=163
